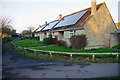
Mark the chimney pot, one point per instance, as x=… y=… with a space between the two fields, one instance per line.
x=60 y=16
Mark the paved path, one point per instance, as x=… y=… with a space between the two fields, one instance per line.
x=17 y=66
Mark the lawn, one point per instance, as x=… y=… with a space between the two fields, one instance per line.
x=64 y=49
x=85 y=58
x=101 y=50
x=38 y=45
x=55 y=48
x=29 y=43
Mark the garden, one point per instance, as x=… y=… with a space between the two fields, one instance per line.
x=42 y=51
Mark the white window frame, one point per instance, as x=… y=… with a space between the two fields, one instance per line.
x=72 y=32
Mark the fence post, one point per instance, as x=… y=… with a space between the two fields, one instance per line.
x=71 y=57
x=93 y=57
x=35 y=53
x=117 y=57
x=51 y=55
x=25 y=52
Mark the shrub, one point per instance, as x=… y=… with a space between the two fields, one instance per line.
x=54 y=40
x=6 y=39
x=61 y=43
x=116 y=47
x=78 y=42
x=47 y=40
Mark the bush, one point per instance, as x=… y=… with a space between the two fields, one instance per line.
x=78 y=42
x=61 y=43
x=6 y=39
x=47 y=40
x=116 y=47
x=54 y=40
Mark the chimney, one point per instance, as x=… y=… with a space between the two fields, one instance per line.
x=60 y=16
x=93 y=6
x=46 y=23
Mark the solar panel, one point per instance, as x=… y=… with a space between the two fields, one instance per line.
x=69 y=20
x=50 y=25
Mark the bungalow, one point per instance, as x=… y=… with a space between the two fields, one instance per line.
x=94 y=22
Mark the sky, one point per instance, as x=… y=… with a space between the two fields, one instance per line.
x=25 y=13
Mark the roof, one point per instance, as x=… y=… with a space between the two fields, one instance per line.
x=38 y=29
x=50 y=25
x=70 y=20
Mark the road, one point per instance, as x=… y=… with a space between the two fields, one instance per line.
x=17 y=66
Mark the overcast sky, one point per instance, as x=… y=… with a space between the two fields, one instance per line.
x=26 y=13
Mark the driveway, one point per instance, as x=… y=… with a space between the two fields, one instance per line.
x=17 y=66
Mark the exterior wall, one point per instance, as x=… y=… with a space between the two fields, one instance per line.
x=79 y=32
x=47 y=34
x=67 y=35
x=55 y=34
x=98 y=26
x=35 y=34
x=114 y=40
x=60 y=35
x=41 y=37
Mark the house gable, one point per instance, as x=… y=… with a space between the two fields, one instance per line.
x=99 y=26
x=101 y=22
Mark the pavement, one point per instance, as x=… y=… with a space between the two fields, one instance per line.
x=17 y=66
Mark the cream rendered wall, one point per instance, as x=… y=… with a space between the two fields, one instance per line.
x=114 y=40
x=47 y=34
x=67 y=35
x=98 y=26
x=35 y=34
x=79 y=32
x=55 y=34
x=41 y=37
x=60 y=35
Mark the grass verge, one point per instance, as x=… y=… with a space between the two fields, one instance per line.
x=64 y=49
x=102 y=58
x=29 y=43
x=34 y=43
x=77 y=58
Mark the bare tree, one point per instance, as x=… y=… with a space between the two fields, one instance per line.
x=31 y=29
x=5 y=26
x=26 y=33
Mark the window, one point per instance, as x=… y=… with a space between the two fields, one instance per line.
x=72 y=33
